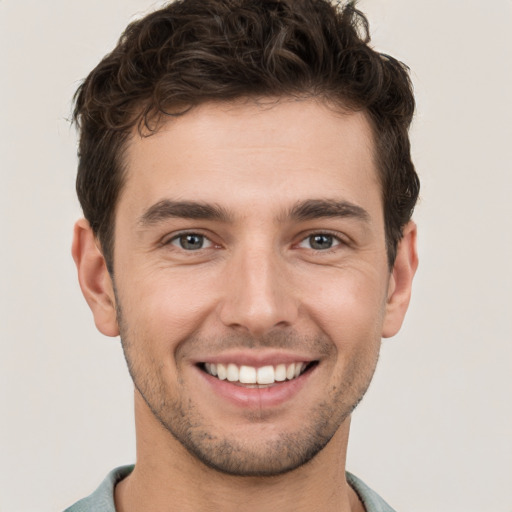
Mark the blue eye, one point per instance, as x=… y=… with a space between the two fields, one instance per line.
x=320 y=242
x=191 y=242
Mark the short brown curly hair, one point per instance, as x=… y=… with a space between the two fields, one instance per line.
x=193 y=51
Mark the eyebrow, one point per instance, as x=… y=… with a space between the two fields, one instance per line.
x=167 y=209
x=310 y=209
x=325 y=208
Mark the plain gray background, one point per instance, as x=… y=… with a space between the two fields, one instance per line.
x=434 y=432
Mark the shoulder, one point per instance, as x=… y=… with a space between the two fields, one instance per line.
x=371 y=500
x=102 y=499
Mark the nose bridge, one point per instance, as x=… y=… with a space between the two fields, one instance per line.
x=257 y=298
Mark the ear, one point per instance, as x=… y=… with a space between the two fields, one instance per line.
x=400 y=282
x=94 y=279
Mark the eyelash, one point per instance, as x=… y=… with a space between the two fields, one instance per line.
x=179 y=236
x=337 y=241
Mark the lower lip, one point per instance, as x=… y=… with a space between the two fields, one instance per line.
x=266 y=397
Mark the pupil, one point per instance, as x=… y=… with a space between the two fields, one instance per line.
x=191 y=242
x=321 y=241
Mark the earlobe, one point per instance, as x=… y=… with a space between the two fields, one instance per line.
x=94 y=279
x=400 y=282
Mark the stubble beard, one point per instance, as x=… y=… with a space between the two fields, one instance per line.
x=263 y=457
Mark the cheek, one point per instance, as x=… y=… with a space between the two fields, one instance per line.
x=166 y=307
x=349 y=308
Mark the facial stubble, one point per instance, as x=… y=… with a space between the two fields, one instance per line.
x=260 y=455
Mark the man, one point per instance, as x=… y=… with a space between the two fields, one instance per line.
x=247 y=187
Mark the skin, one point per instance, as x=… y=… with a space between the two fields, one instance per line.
x=258 y=288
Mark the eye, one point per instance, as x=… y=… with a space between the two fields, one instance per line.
x=320 y=242
x=191 y=242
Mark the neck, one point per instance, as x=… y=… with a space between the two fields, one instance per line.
x=168 y=478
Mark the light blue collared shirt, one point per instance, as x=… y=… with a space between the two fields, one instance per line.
x=102 y=499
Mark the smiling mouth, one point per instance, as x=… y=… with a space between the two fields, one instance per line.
x=251 y=376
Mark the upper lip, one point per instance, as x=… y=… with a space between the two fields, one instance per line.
x=256 y=359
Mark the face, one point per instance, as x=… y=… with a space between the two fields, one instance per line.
x=251 y=280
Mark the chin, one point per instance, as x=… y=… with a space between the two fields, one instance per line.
x=274 y=458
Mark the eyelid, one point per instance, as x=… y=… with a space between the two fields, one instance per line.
x=170 y=238
x=338 y=237
x=207 y=243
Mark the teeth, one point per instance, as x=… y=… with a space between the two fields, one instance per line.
x=232 y=373
x=221 y=371
x=251 y=375
x=279 y=373
x=266 y=375
x=247 y=375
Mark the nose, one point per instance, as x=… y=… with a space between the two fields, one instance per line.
x=259 y=294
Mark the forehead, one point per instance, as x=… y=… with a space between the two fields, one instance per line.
x=268 y=154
